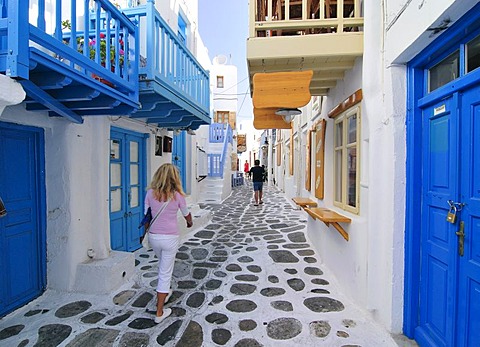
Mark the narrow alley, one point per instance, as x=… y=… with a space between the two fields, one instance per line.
x=249 y=278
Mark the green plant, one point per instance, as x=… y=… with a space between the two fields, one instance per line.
x=92 y=46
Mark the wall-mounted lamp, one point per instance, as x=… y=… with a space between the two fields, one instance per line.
x=288 y=113
x=191 y=132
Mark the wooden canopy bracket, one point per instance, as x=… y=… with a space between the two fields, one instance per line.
x=330 y=217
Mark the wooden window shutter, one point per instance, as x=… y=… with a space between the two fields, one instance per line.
x=232 y=120
x=308 y=178
x=320 y=128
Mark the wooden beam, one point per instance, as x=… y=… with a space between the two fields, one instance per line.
x=352 y=100
x=315 y=66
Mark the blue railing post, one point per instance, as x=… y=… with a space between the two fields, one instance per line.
x=17 y=51
x=153 y=40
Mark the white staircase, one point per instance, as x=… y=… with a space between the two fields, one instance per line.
x=212 y=190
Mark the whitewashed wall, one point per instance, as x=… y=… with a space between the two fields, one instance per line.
x=226 y=98
x=370 y=267
x=77 y=187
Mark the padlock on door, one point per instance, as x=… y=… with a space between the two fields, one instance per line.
x=452 y=215
x=452 y=212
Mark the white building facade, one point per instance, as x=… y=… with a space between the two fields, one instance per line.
x=397 y=157
x=70 y=176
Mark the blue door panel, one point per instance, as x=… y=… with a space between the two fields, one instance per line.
x=22 y=235
x=127 y=189
x=472 y=336
x=438 y=257
x=178 y=156
x=468 y=318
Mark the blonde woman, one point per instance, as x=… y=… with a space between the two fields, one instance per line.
x=163 y=235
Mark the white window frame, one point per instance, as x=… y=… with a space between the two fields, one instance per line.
x=343 y=118
x=222 y=84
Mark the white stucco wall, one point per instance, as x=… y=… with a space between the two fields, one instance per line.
x=77 y=186
x=370 y=267
x=408 y=21
x=226 y=98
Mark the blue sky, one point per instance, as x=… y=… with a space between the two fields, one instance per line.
x=223 y=26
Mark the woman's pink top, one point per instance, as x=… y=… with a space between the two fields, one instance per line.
x=166 y=223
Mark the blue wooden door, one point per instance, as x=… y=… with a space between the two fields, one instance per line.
x=468 y=302
x=22 y=229
x=178 y=155
x=438 y=240
x=449 y=277
x=127 y=189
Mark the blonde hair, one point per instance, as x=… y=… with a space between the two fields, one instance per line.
x=166 y=181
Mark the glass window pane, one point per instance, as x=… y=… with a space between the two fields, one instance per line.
x=352 y=129
x=115 y=174
x=338 y=175
x=133 y=152
x=445 y=71
x=116 y=200
x=352 y=177
x=115 y=149
x=473 y=54
x=133 y=174
x=338 y=134
x=134 y=197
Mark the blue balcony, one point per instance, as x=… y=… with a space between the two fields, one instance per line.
x=73 y=60
x=174 y=88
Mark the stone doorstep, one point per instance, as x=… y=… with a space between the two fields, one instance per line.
x=102 y=276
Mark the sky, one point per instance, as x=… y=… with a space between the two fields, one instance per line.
x=223 y=26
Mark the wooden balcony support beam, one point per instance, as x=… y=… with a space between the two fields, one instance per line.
x=316 y=66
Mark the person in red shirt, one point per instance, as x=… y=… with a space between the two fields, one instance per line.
x=246 y=169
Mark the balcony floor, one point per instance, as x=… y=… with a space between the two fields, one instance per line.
x=328 y=55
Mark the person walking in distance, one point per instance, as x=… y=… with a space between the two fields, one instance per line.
x=163 y=235
x=257 y=173
x=246 y=170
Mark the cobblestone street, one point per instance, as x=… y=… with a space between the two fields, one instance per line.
x=249 y=278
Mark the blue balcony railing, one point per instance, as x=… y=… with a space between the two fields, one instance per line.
x=61 y=51
x=219 y=133
x=174 y=87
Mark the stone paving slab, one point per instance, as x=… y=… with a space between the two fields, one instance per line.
x=249 y=278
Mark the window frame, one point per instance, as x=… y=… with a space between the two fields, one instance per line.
x=222 y=84
x=222 y=115
x=344 y=147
